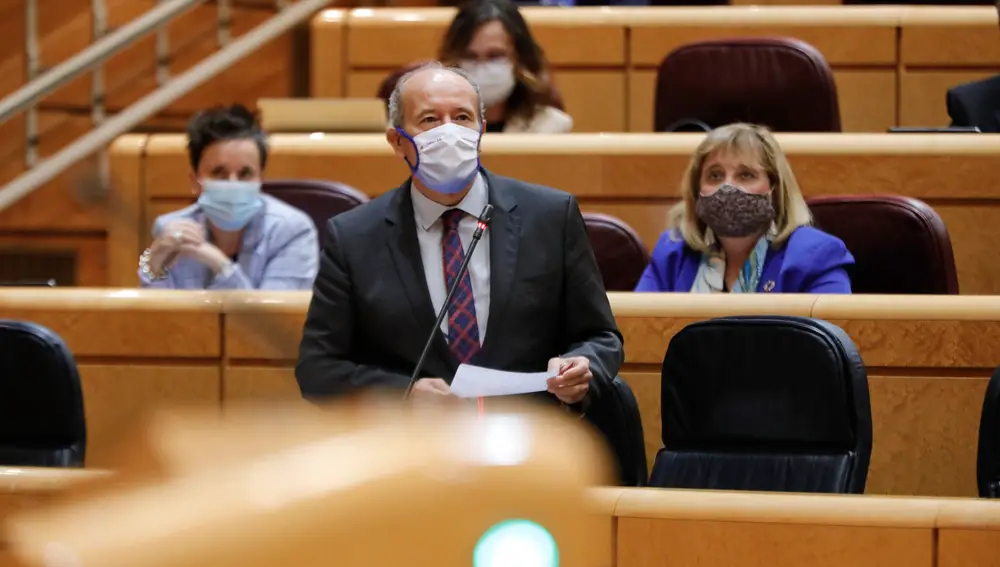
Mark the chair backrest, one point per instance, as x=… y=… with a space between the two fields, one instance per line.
x=41 y=402
x=988 y=459
x=321 y=200
x=899 y=244
x=620 y=423
x=620 y=253
x=764 y=403
x=784 y=84
x=389 y=83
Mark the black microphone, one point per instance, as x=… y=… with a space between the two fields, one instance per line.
x=484 y=222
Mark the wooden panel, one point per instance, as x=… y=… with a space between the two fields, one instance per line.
x=123 y=204
x=95 y=323
x=973 y=241
x=383 y=41
x=595 y=99
x=947 y=37
x=241 y=383
x=118 y=397
x=842 y=44
x=924 y=434
x=923 y=94
x=968 y=548
x=665 y=543
x=328 y=54
x=364 y=83
x=646 y=387
x=264 y=330
x=641 y=101
x=867 y=100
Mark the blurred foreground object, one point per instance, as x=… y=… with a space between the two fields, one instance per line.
x=368 y=485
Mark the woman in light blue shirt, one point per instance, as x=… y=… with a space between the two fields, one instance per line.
x=234 y=237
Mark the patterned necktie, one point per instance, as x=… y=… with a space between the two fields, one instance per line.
x=463 y=329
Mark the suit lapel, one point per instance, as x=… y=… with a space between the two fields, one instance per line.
x=405 y=251
x=996 y=119
x=505 y=234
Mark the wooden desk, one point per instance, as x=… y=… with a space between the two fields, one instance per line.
x=135 y=350
x=631 y=176
x=928 y=358
x=709 y=528
x=892 y=64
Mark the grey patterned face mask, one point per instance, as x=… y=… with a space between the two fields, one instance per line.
x=732 y=212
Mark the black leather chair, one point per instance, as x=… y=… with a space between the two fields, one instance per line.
x=41 y=404
x=988 y=461
x=620 y=423
x=764 y=403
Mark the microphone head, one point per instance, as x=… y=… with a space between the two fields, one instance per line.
x=486 y=215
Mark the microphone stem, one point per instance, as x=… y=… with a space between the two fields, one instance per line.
x=444 y=311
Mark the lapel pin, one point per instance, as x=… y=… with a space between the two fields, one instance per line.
x=769 y=285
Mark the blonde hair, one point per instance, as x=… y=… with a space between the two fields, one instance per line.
x=748 y=140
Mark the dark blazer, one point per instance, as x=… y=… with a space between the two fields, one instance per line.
x=810 y=261
x=371 y=312
x=976 y=104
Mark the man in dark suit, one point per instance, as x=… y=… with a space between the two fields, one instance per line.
x=976 y=103
x=532 y=300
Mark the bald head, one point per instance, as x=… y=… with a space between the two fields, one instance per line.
x=433 y=90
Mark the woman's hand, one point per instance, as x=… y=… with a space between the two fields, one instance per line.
x=166 y=248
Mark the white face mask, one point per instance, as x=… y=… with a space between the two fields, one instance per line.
x=495 y=79
x=230 y=205
x=447 y=157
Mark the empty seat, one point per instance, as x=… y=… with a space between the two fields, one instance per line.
x=41 y=403
x=321 y=200
x=784 y=84
x=900 y=245
x=620 y=253
x=764 y=403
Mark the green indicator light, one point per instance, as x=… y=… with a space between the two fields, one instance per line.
x=516 y=543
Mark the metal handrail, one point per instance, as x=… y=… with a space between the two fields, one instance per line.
x=92 y=56
x=132 y=116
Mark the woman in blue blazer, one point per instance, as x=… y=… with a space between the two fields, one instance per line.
x=743 y=227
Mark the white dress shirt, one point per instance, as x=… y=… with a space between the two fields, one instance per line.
x=430 y=231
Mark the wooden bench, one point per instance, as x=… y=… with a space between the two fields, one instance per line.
x=892 y=64
x=928 y=358
x=632 y=176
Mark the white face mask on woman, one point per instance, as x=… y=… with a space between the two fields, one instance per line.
x=495 y=79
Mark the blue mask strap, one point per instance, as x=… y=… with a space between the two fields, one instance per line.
x=413 y=167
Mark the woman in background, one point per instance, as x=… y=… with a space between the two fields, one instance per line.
x=491 y=42
x=234 y=237
x=742 y=225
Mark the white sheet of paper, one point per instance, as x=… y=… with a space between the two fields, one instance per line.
x=475 y=381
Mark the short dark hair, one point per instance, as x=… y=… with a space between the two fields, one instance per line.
x=532 y=89
x=235 y=122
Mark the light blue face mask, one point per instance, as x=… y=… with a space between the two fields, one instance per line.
x=230 y=205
